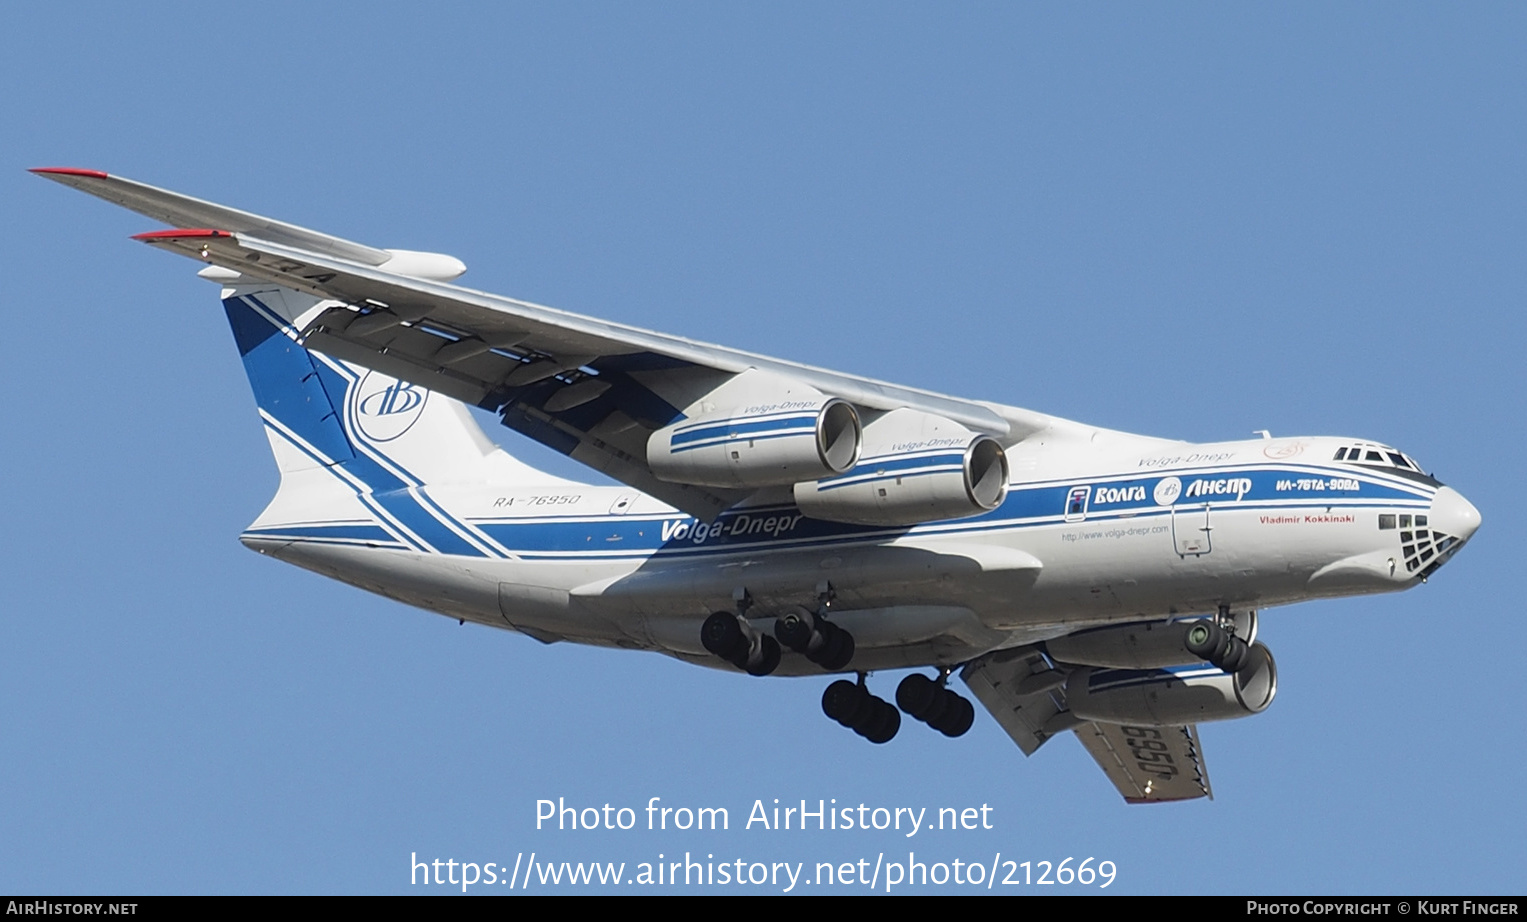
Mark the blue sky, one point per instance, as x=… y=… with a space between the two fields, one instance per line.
x=1192 y=221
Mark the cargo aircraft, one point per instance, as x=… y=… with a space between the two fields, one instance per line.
x=779 y=519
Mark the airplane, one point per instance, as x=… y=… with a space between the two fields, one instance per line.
x=774 y=518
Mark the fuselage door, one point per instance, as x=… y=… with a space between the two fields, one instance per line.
x=1191 y=531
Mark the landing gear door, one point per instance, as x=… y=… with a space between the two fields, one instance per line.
x=1245 y=624
x=1190 y=529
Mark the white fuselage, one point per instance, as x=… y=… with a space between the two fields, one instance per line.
x=1118 y=529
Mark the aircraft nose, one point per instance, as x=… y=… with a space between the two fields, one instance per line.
x=1453 y=515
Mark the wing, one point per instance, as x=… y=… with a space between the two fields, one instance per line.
x=1025 y=693
x=589 y=388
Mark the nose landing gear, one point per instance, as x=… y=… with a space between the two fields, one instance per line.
x=1211 y=641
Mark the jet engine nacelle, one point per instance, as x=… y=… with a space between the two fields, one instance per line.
x=771 y=442
x=1175 y=696
x=916 y=467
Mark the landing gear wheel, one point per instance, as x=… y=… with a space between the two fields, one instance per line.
x=957 y=717
x=793 y=631
x=852 y=705
x=1235 y=655
x=723 y=636
x=841 y=701
x=1204 y=639
x=930 y=702
x=916 y=694
x=838 y=650
x=888 y=724
x=768 y=657
x=815 y=638
x=1216 y=646
x=870 y=718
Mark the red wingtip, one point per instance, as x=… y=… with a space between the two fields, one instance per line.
x=181 y=232
x=69 y=171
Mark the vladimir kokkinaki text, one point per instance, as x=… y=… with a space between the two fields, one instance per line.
x=876 y=870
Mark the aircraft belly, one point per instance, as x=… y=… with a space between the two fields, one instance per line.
x=434 y=582
x=534 y=599
x=867 y=576
x=885 y=638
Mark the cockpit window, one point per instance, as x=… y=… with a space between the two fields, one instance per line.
x=1372 y=454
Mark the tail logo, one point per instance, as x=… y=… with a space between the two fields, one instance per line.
x=386 y=407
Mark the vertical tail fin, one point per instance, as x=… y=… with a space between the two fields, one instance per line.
x=353 y=444
x=302 y=419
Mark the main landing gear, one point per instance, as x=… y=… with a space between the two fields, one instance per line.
x=852 y=705
x=812 y=635
x=732 y=638
x=931 y=702
x=875 y=719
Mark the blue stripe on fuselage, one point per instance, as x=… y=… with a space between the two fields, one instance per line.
x=783 y=527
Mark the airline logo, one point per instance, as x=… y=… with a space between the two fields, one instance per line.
x=1113 y=494
x=1168 y=489
x=1224 y=486
x=385 y=407
x=1164 y=492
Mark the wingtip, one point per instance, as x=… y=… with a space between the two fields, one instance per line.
x=181 y=233
x=68 y=171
